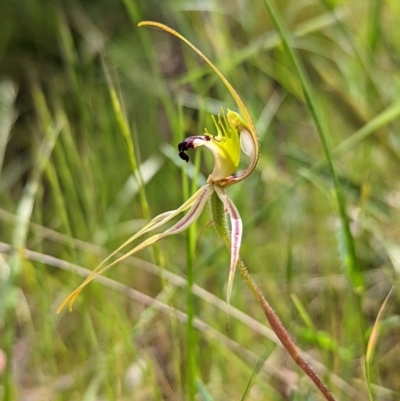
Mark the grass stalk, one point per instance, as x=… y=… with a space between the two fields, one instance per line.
x=24 y=212
x=134 y=15
x=191 y=335
x=127 y=139
x=8 y=94
x=373 y=339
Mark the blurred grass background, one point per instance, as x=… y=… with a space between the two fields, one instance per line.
x=81 y=171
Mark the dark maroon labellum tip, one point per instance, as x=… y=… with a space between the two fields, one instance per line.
x=188 y=143
x=184 y=156
x=182 y=147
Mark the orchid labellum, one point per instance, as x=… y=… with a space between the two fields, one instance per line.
x=234 y=133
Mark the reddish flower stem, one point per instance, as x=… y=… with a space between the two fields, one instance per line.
x=219 y=217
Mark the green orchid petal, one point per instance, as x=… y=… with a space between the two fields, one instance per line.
x=225 y=147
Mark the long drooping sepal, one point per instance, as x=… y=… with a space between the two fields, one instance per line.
x=236 y=236
x=196 y=204
x=247 y=126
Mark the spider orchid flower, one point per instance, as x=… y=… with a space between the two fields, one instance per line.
x=234 y=134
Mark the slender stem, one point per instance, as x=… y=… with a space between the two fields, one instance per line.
x=191 y=332
x=191 y=341
x=219 y=217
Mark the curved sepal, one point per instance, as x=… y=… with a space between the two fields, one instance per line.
x=196 y=204
x=244 y=125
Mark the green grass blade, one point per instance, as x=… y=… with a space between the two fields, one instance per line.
x=373 y=339
x=302 y=311
x=256 y=369
x=23 y=213
x=135 y=17
x=8 y=93
x=267 y=41
x=24 y=210
x=384 y=118
x=127 y=139
x=350 y=260
x=359 y=54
